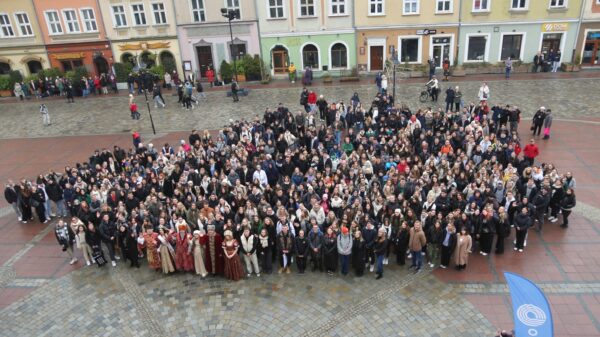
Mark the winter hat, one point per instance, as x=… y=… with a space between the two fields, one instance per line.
x=344 y=230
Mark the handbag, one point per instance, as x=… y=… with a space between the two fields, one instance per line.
x=546 y=131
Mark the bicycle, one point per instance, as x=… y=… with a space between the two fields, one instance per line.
x=425 y=94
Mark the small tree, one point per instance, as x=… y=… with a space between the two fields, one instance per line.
x=15 y=76
x=169 y=65
x=122 y=71
x=226 y=71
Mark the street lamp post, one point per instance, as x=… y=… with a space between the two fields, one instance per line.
x=231 y=14
x=148 y=105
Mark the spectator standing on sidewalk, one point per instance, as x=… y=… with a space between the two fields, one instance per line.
x=292 y=72
x=12 y=197
x=507 y=67
x=45 y=115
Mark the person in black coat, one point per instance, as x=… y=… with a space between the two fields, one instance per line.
x=369 y=233
x=330 y=253
x=128 y=242
x=264 y=250
x=12 y=197
x=38 y=201
x=450 y=94
x=401 y=242
x=541 y=202
x=301 y=249
x=502 y=230
x=359 y=250
x=522 y=223
x=108 y=234
x=448 y=245
x=486 y=231
x=566 y=205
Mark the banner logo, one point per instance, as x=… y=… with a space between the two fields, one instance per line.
x=531 y=315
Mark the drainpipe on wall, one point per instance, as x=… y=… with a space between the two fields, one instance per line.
x=460 y=4
x=355 y=35
x=260 y=51
x=179 y=44
x=581 y=10
x=37 y=19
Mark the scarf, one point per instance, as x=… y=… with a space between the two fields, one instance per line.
x=264 y=241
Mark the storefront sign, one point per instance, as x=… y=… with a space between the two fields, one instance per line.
x=426 y=31
x=144 y=46
x=554 y=27
x=68 y=56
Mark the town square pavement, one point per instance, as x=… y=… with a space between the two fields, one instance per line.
x=42 y=295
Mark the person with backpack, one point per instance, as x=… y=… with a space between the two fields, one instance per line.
x=234 y=91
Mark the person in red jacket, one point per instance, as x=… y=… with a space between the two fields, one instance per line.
x=312 y=101
x=530 y=152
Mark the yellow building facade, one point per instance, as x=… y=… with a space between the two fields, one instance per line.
x=21 y=39
x=411 y=31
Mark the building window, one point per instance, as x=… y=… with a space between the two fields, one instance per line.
x=232 y=4
x=511 y=46
x=410 y=7
x=558 y=3
x=310 y=56
x=69 y=65
x=160 y=16
x=4 y=68
x=119 y=16
x=337 y=7
x=24 y=24
x=409 y=50
x=376 y=7
x=238 y=50
x=198 y=11
x=34 y=67
x=518 y=4
x=275 y=9
x=139 y=16
x=53 y=22
x=89 y=20
x=71 y=22
x=307 y=7
x=7 y=30
x=481 y=5
x=339 y=56
x=476 y=48
x=443 y=6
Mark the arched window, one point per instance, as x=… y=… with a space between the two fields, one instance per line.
x=34 y=67
x=339 y=56
x=167 y=60
x=310 y=56
x=128 y=59
x=147 y=60
x=4 y=68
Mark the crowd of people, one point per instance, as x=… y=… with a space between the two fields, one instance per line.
x=331 y=187
x=63 y=86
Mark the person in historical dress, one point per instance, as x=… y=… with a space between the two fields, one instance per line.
x=166 y=251
x=197 y=250
x=212 y=251
x=183 y=259
x=233 y=269
x=149 y=240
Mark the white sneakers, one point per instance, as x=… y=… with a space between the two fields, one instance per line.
x=431 y=265
x=372 y=268
x=385 y=261
x=114 y=263
x=88 y=263
x=73 y=260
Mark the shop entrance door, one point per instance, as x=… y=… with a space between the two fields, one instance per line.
x=591 y=54
x=440 y=50
x=551 y=42
x=376 y=53
x=205 y=59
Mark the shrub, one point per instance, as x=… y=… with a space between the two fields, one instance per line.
x=14 y=77
x=50 y=72
x=253 y=67
x=122 y=71
x=157 y=71
x=169 y=65
x=5 y=83
x=226 y=71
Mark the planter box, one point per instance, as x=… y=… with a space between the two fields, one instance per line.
x=122 y=86
x=458 y=72
x=328 y=80
x=570 y=67
x=6 y=93
x=241 y=78
x=350 y=79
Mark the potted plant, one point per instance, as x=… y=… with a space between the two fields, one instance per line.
x=122 y=71
x=5 y=88
x=326 y=77
x=226 y=71
x=572 y=66
x=240 y=70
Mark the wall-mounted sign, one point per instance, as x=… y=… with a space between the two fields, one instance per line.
x=554 y=27
x=426 y=31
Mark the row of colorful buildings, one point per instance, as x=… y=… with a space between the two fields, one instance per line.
x=326 y=35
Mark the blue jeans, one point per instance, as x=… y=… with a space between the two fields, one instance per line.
x=507 y=72
x=131 y=88
x=417 y=259
x=61 y=209
x=48 y=209
x=345 y=261
x=380 y=264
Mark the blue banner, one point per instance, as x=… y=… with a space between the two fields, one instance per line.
x=531 y=311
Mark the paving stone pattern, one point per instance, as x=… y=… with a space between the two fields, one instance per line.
x=125 y=302
x=109 y=115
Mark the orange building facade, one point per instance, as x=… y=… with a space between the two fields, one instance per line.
x=74 y=34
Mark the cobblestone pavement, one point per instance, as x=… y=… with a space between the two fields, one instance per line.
x=568 y=98
x=122 y=302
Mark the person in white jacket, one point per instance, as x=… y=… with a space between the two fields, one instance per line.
x=484 y=92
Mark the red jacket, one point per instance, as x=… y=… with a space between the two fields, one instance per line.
x=312 y=98
x=531 y=151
